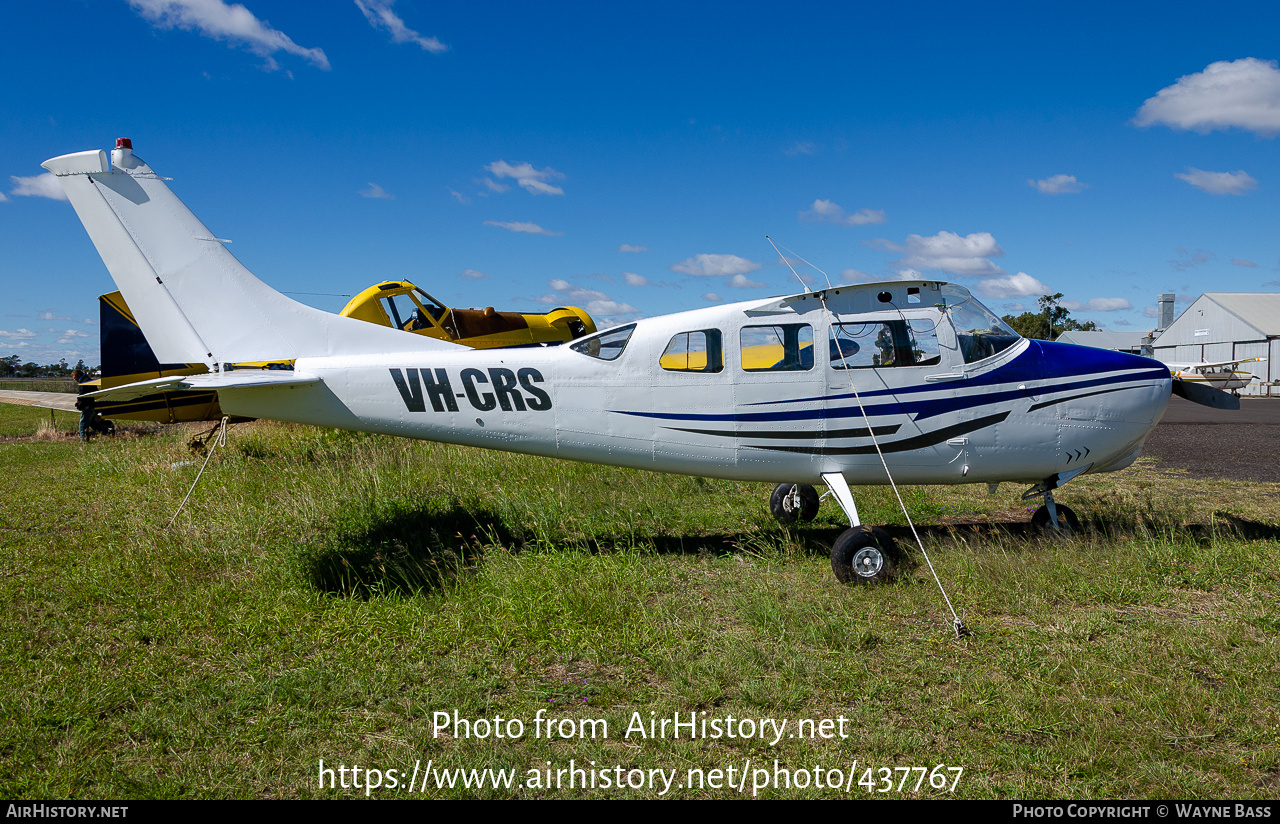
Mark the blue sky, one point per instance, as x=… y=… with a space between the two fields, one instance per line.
x=631 y=160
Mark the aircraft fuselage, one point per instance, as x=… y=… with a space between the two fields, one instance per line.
x=763 y=393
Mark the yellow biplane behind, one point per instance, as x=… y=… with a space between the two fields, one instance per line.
x=402 y=305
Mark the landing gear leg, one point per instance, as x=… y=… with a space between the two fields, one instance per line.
x=862 y=554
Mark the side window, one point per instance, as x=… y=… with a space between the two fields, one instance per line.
x=607 y=346
x=699 y=351
x=884 y=344
x=787 y=348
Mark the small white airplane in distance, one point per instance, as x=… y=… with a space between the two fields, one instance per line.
x=836 y=387
x=1221 y=375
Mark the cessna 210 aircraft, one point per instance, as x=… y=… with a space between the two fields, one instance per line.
x=836 y=387
x=1221 y=375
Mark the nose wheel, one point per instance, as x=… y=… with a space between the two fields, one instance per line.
x=1068 y=523
x=1053 y=519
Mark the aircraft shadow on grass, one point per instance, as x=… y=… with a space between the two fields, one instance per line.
x=423 y=549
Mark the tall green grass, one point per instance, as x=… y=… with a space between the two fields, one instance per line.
x=325 y=593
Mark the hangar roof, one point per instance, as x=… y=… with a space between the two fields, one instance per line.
x=1261 y=310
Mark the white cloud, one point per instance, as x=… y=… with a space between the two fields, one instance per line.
x=1241 y=93
x=1058 y=185
x=493 y=185
x=20 y=334
x=530 y=179
x=1097 y=305
x=744 y=282
x=1249 y=264
x=1219 y=183
x=1012 y=286
x=380 y=16
x=45 y=185
x=968 y=255
x=531 y=228
x=856 y=276
x=597 y=303
x=715 y=266
x=51 y=316
x=712 y=297
x=233 y=23
x=633 y=279
x=627 y=247
x=824 y=211
x=377 y=192
x=3 y=199
x=800 y=147
x=1109 y=304
x=473 y=274
x=459 y=196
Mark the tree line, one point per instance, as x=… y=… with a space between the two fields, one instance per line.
x=13 y=367
x=1051 y=321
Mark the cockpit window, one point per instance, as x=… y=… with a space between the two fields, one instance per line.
x=880 y=344
x=699 y=351
x=434 y=307
x=980 y=333
x=786 y=348
x=607 y=346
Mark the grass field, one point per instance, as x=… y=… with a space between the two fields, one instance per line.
x=325 y=594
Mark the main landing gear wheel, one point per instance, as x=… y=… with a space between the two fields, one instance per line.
x=1068 y=523
x=864 y=555
x=793 y=502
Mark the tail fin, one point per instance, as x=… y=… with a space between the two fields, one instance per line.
x=194 y=301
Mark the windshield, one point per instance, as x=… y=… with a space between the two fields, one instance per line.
x=980 y=333
x=607 y=345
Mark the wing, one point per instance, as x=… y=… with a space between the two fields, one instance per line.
x=64 y=401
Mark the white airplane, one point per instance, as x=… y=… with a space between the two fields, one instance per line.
x=836 y=387
x=1221 y=375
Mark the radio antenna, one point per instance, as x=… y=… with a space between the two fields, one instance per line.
x=802 y=260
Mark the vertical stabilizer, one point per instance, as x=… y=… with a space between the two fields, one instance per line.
x=193 y=300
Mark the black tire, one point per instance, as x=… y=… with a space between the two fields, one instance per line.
x=858 y=558
x=1067 y=520
x=783 y=507
x=890 y=547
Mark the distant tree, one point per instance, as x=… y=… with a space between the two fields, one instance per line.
x=1051 y=321
x=9 y=365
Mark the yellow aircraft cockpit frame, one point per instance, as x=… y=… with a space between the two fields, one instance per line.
x=402 y=305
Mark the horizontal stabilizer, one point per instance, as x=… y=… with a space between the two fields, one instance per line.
x=1205 y=395
x=204 y=383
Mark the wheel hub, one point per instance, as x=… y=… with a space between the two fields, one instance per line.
x=868 y=561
